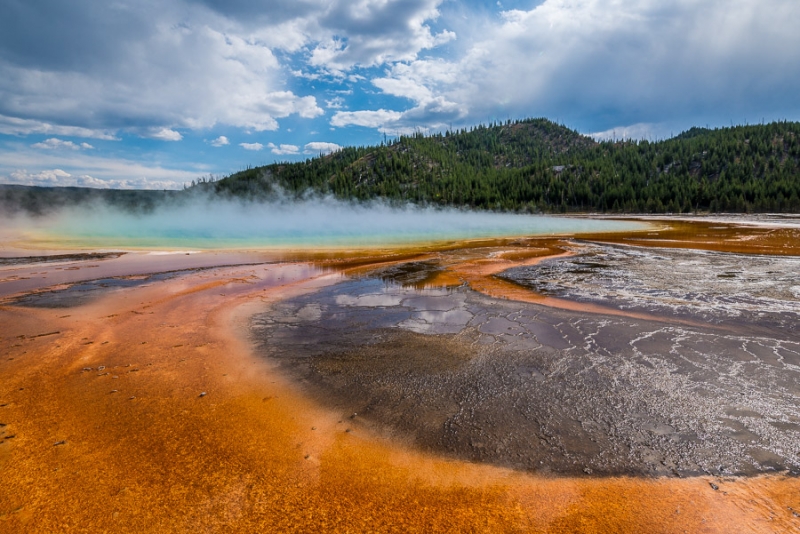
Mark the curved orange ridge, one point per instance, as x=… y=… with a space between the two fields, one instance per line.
x=480 y=275
x=130 y=445
x=478 y=268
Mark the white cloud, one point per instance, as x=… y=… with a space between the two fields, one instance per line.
x=17 y=126
x=639 y=131
x=404 y=87
x=252 y=146
x=336 y=102
x=370 y=119
x=55 y=143
x=434 y=114
x=184 y=68
x=305 y=107
x=595 y=65
x=646 y=60
x=193 y=65
x=163 y=134
x=283 y=150
x=220 y=141
x=320 y=147
x=420 y=79
x=19 y=164
x=61 y=178
x=55 y=177
x=376 y=32
x=307 y=75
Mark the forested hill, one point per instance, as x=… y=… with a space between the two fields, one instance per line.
x=42 y=200
x=539 y=166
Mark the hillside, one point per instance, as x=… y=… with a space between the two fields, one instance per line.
x=40 y=200
x=536 y=165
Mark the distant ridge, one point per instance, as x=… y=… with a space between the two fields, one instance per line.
x=40 y=200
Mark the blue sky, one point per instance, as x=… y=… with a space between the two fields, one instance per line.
x=152 y=94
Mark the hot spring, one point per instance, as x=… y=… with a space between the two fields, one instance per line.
x=317 y=223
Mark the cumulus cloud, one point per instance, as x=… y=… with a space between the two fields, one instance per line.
x=339 y=34
x=220 y=141
x=404 y=87
x=18 y=126
x=283 y=150
x=320 y=147
x=642 y=130
x=164 y=134
x=186 y=67
x=61 y=178
x=55 y=143
x=336 y=102
x=420 y=80
x=28 y=166
x=605 y=65
x=370 y=119
x=252 y=146
x=193 y=65
x=55 y=177
x=284 y=103
x=377 y=32
x=424 y=82
x=432 y=114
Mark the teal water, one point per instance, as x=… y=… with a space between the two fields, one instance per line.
x=309 y=224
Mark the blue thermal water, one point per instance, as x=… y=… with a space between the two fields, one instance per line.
x=306 y=224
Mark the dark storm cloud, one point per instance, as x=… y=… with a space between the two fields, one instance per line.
x=64 y=36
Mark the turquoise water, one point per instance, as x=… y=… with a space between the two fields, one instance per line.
x=309 y=224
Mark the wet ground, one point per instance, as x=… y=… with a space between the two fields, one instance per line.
x=710 y=286
x=555 y=391
x=58 y=258
x=142 y=406
x=77 y=294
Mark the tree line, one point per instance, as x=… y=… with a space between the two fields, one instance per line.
x=535 y=165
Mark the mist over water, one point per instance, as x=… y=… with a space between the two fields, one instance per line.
x=305 y=223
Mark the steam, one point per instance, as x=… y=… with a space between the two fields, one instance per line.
x=213 y=222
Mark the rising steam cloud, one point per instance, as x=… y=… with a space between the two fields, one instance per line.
x=212 y=222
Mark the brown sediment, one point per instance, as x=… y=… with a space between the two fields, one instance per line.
x=139 y=450
x=360 y=267
x=710 y=235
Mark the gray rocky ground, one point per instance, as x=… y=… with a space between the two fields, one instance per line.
x=554 y=391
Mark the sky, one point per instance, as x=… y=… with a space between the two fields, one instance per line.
x=154 y=94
